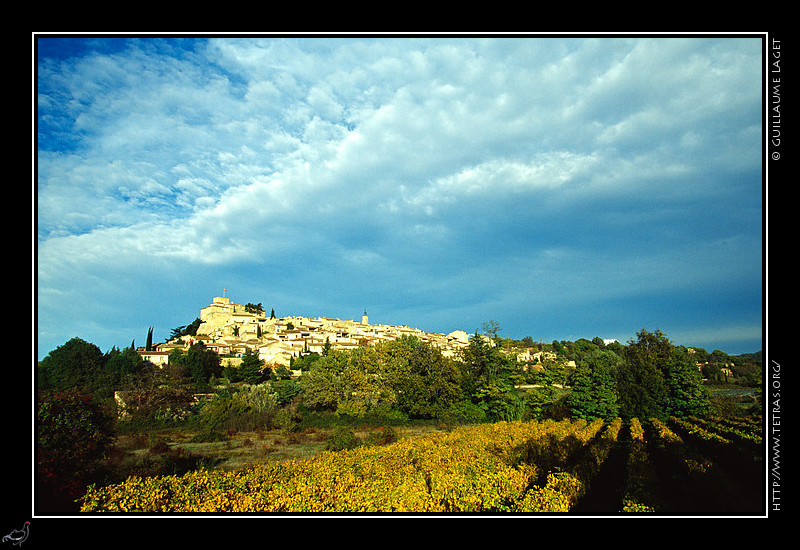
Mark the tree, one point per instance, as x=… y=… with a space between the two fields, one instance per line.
x=258 y=309
x=347 y=382
x=185 y=330
x=528 y=342
x=149 y=342
x=75 y=365
x=250 y=370
x=122 y=364
x=231 y=373
x=157 y=393
x=686 y=394
x=538 y=399
x=594 y=387
x=658 y=379
x=640 y=381
x=73 y=436
x=486 y=380
x=490 y=329
x=326 y=348
x=425 y=383
x=599 y=342
x=201 y=364
x=304 y=361
x=499 y=400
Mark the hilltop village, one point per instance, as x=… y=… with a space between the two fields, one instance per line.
x=230 y=329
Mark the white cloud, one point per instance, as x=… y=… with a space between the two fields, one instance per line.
x=387 y=156
x=547 y=172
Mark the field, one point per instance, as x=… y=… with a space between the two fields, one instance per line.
x=707 y=467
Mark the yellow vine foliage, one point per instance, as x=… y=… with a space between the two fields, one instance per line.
x=486 y=468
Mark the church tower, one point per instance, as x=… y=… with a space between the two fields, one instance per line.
x=364 y=318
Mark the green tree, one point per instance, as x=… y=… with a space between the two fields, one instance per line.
x=149 y=342
x=499 y=400
x=687 y=396
x=122 y=364
x=486 y=379
x=200 y=362
x=257 y=309
x=347 y=382
x=642 y=391
x=231 y=373
x=599 y=342
x=537 y=401
x=425 y=383
x=251 y=368
x=76 y=365
x=528 y=342
x=185 y=330
x=594 y=387
x=326 y=348
x=304 y=361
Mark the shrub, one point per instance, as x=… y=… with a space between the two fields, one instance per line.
x=341 y=439
x=465 y=412
x=383 y=436
x=159 y=447
x=178 y=461
x=74 y=435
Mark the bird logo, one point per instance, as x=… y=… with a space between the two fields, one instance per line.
x=18 y=536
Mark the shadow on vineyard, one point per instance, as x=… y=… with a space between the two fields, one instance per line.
x=703 y=473
x=686 y=467
x=605 y=494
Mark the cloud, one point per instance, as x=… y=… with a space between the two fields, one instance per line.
x=420 y=175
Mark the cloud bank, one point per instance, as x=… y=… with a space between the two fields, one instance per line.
x=565 y=187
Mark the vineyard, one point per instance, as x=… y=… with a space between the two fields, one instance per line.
x=689 y=466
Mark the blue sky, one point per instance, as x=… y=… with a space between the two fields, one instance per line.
x=565 y=187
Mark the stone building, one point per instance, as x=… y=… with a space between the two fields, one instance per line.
x=229 y=329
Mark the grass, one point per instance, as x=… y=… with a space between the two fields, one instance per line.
x=169 y=451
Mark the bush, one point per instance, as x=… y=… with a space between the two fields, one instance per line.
x=463 y=413
x=252 y=407
x=74 y=435
x=179 y=461
x=383 y=436
x=159 y=447
x=341 y=439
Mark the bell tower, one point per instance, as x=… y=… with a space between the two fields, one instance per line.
x=364 y=318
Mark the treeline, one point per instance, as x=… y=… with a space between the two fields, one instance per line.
x=648 y=377
x=395 y=382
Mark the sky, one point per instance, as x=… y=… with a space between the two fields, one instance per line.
x=565 y=187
